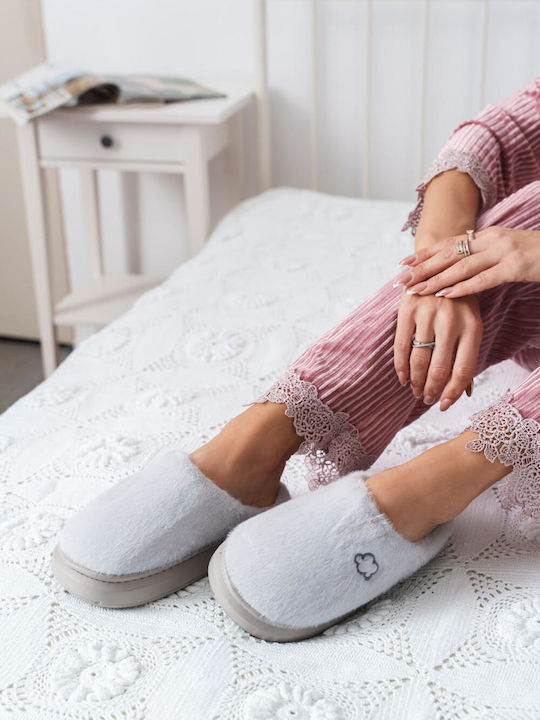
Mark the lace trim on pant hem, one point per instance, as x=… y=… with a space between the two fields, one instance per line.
x=331 y=443
x=448 y=160
x=504 y=435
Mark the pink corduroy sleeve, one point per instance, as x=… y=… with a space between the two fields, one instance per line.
x=499 y=149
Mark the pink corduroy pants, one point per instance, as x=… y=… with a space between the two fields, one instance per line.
x=347 y=403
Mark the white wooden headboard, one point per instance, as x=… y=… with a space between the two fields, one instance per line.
x=478 y=78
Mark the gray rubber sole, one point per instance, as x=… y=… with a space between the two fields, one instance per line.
x=248 y=618
x=123 y=591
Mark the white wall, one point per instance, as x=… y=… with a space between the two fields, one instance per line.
x=212 y=39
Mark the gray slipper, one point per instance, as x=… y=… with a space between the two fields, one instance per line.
x=303 y=566
x=148 y=535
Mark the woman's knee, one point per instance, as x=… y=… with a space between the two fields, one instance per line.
x=520 y=210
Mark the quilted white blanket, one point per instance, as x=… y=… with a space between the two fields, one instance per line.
x=460 y=639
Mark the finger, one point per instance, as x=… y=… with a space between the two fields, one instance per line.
x=440 y=367
x=464 y=366
x=444 y=258
x=421 y=357
x=408 y=259
x=463 y=269
x=426 y=252
x=421 y=254
x=483 y=280
x=429 y=261
x=426 y=262
x=402 y=342
x=482 y=240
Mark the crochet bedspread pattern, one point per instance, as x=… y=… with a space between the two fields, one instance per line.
x=459 y=639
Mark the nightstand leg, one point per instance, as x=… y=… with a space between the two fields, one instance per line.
x=35 y=218
x=236 y=160
x=90 y=206
x=197 y=195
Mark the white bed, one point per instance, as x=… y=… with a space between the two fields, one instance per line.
x=461 y=639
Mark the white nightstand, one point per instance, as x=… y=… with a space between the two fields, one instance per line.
x=176 y=138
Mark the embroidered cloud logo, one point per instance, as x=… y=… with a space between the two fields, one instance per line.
x=366 y=564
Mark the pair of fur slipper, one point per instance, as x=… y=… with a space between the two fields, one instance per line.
x=282 y=573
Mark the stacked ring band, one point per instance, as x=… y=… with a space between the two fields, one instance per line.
x=419 y=344
x=462 y=246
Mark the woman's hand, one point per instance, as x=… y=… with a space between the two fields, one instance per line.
x=498 y=255
x=449 y=367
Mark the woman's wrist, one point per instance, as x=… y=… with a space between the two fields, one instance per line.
x=451 y=204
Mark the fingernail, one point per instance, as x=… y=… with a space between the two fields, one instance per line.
x=469 y=388
x=402 y=378
x=445 y=404
x=429 y=400
x=407 y=260
x=442 y=293
x=403 y=278
x=416 y=393
x=417 y=288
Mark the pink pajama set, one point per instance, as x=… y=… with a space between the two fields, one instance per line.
x=343 y=393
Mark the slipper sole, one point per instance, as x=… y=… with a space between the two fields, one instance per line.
x=123 y=591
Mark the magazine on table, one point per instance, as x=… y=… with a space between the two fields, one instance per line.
x=49 y=86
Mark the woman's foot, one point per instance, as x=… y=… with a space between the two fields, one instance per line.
x=312 y=560
x=248 y=456
x=296 y=569
x=435 y=486
x=149 y=535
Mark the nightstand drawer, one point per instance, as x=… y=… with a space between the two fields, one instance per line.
x=62 y=139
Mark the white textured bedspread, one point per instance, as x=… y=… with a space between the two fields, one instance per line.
x=460 y=639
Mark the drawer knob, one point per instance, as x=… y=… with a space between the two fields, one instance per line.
x=106 y=141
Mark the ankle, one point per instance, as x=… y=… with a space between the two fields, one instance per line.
x=274 y=430
x=434 y=487
x=407 y=505
x=249 y=455
x=461 y=475
x=247 y=481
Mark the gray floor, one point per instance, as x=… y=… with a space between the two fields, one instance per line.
x=20 y=368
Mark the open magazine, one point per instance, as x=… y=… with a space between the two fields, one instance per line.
x=47 y=87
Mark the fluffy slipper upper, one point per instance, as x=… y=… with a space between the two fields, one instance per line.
x=165 y=513
x=319 y=556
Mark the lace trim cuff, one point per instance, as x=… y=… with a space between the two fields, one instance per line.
x=447 y=160
x=505 y=436
x=331 y=443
